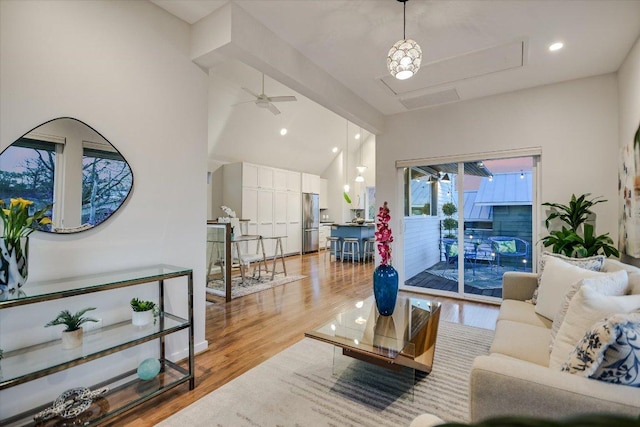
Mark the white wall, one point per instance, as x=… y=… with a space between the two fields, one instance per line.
x=124 y=69
x=575 y=123
x=629 y=107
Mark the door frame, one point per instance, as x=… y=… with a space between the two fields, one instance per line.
x=534 y=152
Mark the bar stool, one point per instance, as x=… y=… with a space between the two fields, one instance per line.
x=332 y=245
x=369 y=248
x=351 y=246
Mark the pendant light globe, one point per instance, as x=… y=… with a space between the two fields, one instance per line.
x=405 y=56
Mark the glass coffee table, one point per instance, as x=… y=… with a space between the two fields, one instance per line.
x=405 y=339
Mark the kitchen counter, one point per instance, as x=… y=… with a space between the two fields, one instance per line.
x=359 y=231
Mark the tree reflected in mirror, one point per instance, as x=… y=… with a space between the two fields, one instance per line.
x=66 y=163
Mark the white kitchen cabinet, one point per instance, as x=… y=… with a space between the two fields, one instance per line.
x=280 y=179
x=249 y=175
x=249 y=209
x=265 y=177
x=310 y=183
x=294 y=207
x=323 y=233
x=294 y=181
x=324 y=194
x=294 y=238
x=280 y=206
x=270 y=212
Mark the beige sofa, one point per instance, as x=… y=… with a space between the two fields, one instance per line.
x=514 y=379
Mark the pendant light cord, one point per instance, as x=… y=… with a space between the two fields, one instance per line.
x=404 y=20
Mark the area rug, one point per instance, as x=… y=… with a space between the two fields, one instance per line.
x=251 y=285
x=297 y=387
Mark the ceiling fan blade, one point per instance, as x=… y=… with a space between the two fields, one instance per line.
x=243 y=102
x=273 y=109
x=282 y=98
x=249 y=91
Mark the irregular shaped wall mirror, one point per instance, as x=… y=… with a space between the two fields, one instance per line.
x=66 y=163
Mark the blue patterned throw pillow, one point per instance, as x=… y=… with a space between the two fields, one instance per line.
x=609 y=351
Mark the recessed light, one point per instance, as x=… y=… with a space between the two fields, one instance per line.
x=334 y=149
x=283 y=131
x=357 y=136
x=556 y=46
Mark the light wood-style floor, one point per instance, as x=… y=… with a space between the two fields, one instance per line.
x=248 y=330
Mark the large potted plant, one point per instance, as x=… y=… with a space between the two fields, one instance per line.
x=577 y=237
x=17 y=225
x=72 y=335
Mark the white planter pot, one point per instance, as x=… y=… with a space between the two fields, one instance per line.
x=142 y=318
x=72 y=339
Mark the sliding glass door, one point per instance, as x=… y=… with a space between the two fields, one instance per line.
x=466 y=223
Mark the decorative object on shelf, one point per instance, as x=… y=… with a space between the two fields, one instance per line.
x=143 y=312
x=579 y=240
x=148 y=369
x=405 y=55
x=72 y=335
x=17 y=225
x=385 y=277
x=232 y=219
x=71 y=403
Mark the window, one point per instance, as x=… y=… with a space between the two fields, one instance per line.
x=106 y=181
x=27 y=170
x=419 y=195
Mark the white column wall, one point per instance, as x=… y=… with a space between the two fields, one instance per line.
x=123 y=68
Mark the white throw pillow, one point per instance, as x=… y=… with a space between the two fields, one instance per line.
x=611 y=265
x=558 y=276
x=586 y=308
x=594 y=263
x=610 y=284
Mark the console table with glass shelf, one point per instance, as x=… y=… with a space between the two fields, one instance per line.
x=126 y=390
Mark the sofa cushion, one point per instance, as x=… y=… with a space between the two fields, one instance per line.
x=611 y=265
x=556 y=279
x=523 y=312
x=586 y=308
x=594 y=263
x=615 y=283
x=609 y=351
x=522 y=341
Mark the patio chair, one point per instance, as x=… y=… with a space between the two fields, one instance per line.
x=510 y=247
x=450 y=252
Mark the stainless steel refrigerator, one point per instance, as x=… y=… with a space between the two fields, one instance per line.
x=310 y=222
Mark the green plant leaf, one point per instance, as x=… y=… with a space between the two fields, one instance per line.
x=346 y=197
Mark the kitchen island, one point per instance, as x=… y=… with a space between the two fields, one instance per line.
x=359 y=231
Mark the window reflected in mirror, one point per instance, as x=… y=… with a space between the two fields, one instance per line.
x=68 y=164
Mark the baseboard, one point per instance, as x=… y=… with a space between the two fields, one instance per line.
x=183 y=354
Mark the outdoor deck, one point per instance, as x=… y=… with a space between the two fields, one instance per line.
x=482 y=279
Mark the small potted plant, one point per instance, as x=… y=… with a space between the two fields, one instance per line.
x=72 y=335
x=143 y=312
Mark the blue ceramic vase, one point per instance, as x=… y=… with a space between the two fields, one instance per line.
x=385 y=289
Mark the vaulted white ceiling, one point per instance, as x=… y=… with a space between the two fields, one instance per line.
x=471 y=49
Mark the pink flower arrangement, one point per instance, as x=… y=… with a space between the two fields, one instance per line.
x=383 y=234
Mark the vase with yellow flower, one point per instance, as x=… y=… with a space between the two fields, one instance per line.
x=385 y=277
x=17 y=225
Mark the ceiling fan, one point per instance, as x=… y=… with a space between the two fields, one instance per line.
x=264 y=101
